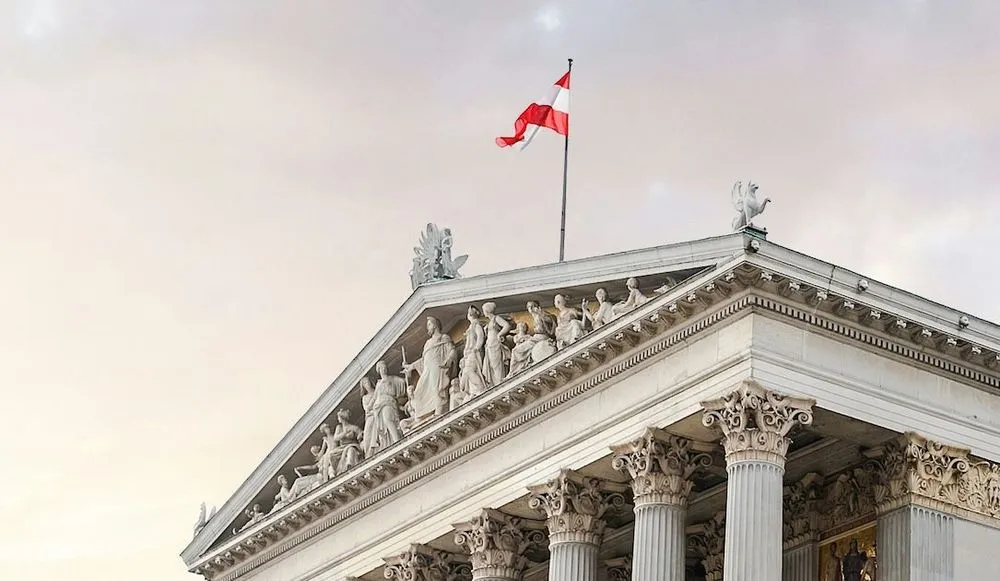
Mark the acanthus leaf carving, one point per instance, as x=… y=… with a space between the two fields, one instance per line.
x=423 y=563
x=497 y=543
x=800 y=512
x=620 y=569
x=575 y=506
x=661 y=466
x=708 y=542
x=755 y=422
x=912 y=467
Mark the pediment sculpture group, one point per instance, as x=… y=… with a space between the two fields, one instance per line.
x=494 y=349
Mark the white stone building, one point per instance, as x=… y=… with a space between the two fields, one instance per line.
x=743 y=412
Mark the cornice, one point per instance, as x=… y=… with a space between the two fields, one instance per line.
x=661 y=324
x=697 y=254
x=589 y=363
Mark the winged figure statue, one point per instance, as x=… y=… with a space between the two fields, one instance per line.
x=203 y=519
x=746 y=203
x=432 y=259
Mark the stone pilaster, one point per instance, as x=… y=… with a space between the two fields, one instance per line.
x=660 y=466
x=755 y=423
x=575 y=506
x=497 y=542
x=920 y=486
x=423 y=563
x=801 y=517
x=708 y=541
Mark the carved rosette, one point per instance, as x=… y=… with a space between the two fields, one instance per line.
x=497 y=542
x=708 y=542
x=661 y=466
x=575 y=505
x=755 y=422
x=620 y=569
x=422 y=563
x=801 y=516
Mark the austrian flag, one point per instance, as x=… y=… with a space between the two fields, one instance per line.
x=552 y=112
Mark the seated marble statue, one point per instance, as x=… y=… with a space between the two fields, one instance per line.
x=284 y=495
x=543 y=333
x=569 y=326
x=635 y=298
x=255 y=514
x=307 y=482
x=345 y=449
x=520 y=355
x=604 y=313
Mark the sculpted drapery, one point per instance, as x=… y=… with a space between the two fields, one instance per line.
x=434 y=367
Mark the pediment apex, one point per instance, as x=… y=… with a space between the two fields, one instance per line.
x=449 y=298
x=721 y=265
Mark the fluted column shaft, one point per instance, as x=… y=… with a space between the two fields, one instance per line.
x=801 y=563
x=659 y=543
x=573 y=560
x=755 y=423
x=753 y=520
x=916 y=544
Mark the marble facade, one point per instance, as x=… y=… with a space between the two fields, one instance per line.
x=756 y=420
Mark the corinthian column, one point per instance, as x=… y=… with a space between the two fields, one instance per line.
x=660 y=466
x=755 y=423
x=575 y=506
x=423 y=563
x=497 y=543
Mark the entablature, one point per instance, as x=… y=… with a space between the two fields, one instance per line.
x=737 y=286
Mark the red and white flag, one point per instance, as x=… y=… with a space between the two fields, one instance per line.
x=552 y=112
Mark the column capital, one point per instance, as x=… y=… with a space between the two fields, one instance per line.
x=575 y=505
x=661 y=466
x=423 y=563
x=497 y=542
x=707 y=540
x=620 y=569
x=755 y=422
x=801 y=514
x=914 y=469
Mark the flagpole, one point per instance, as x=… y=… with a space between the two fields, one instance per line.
x=562 y=223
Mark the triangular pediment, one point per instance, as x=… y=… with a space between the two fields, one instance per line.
x=654 y=270
x=698 y=275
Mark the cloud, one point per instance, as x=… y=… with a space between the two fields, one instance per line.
x=210 y=208
x=548 y=18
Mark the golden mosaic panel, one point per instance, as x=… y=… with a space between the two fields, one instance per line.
x=838 y=563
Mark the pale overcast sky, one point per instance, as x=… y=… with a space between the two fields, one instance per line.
x=208 y=206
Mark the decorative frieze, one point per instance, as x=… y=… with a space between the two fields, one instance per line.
x=497 y=543
x=708 y=542
x=914 y=469
x=661 y=465
x=620 y=569
x=575 y=505
x=661 y=323
x=423 y=563
x=755 y=422
x=848 y=498
x=800 y=510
